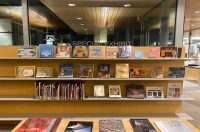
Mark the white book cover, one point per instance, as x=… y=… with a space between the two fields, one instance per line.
x=114 y=91
x=154 y=92
x=173 y=90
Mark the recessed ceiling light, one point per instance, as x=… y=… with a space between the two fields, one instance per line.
x=85 y=29
x=79 y=18
x=111 y=29
x=197 y=11
x=87 y=33
x=127 y=5
x=82 y=24
x=71 y=4
x=192 y=25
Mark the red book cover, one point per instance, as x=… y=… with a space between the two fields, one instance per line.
x=153 y=52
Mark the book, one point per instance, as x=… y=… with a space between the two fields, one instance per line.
x=79 y=51
x=176 y=72
x=111 y=125
x=25 y=71
x=86 y=70
x=99 y=91
x=111 y=52
x=135 y=91
x=157 y=71
x=114 y=91
x=138 y=54
x=153 y=52
x=168 y=52
x=44 y=72
x=142 y=125
x=96 y=51
x=122 y=70
x=65 y=71
x=27 y=51
x=63 y=50
x=136 y=72
x=179 y=52
x=125 y=52
x=154 y=92
x=103 y=71
x=173 y=90
x=46 y=51
x=79 y=126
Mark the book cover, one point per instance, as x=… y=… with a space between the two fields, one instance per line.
x=136 y=72
x=157 y=71
x=99 y=91
x=27 y=51
x=111 y=52
x=86 y=70
x=44 y=72
x=65 y=71
x=135 y=91
x=54 y=124
x=173 y=90
x=154 y=92
x=168 y=52
x=153 y=52
x=142 y=125
x=179 y=52
x=79 y=126
x=125 y=52
x=103 y=71
x=63 y=50
x=115 y=91
x=111 y=125
x=25 y=71
x=79 y=51
x=138 y=54
x=176 y=72
x=45 y=51
x=122 y=70
x=96 y=51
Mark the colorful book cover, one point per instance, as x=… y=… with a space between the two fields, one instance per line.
x=111 y=52
x=142 y=125
x=136 y=72
x=154 y=92
x=96 y=51
x=157 y=71
x=65 y=71
x=86 y=70
x=125 y=52
x=114 y=91
x=25 y=71
x=63 y=50
x=173 y=90
x=103 y=71
x=27 y=51
x=79 y=126
x=79 y=51
x=168 y=52
x=135 y=91
x=153 y=52
x=46 y=51
x=176 y=72
x=138 y=54
x=122 y=70
x=44 y=72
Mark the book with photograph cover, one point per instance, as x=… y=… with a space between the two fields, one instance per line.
x=63 y=50
x=46 y=51
x=138 y=54
x=44 y=72
x=115 y=91
x=111 y=125
x=99 y=91
x=153 y=52
x=86 y=71
x=135 y=91
x=79 y=51
x=111 y=52
x=176 y=72
x=125 y=52
x=122 y=70
x=79 y=126
x=173 y=90
x=142 y=125
x=136 y=72
x=103 y=71
x=96 y=51
x=27 y=51
x=154 y=92
x=25 y=71
x=65 y=71
x=157 y=71
x=168 y=52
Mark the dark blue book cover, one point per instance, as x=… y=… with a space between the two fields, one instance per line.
x=80 y=51
x=65 y=71
x=103 y=71
x=125 y=52
x=45 y=51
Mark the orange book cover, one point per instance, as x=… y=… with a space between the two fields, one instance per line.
x=153 y=52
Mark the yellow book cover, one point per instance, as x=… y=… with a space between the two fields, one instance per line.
x=122 y=70
x=25 y=71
